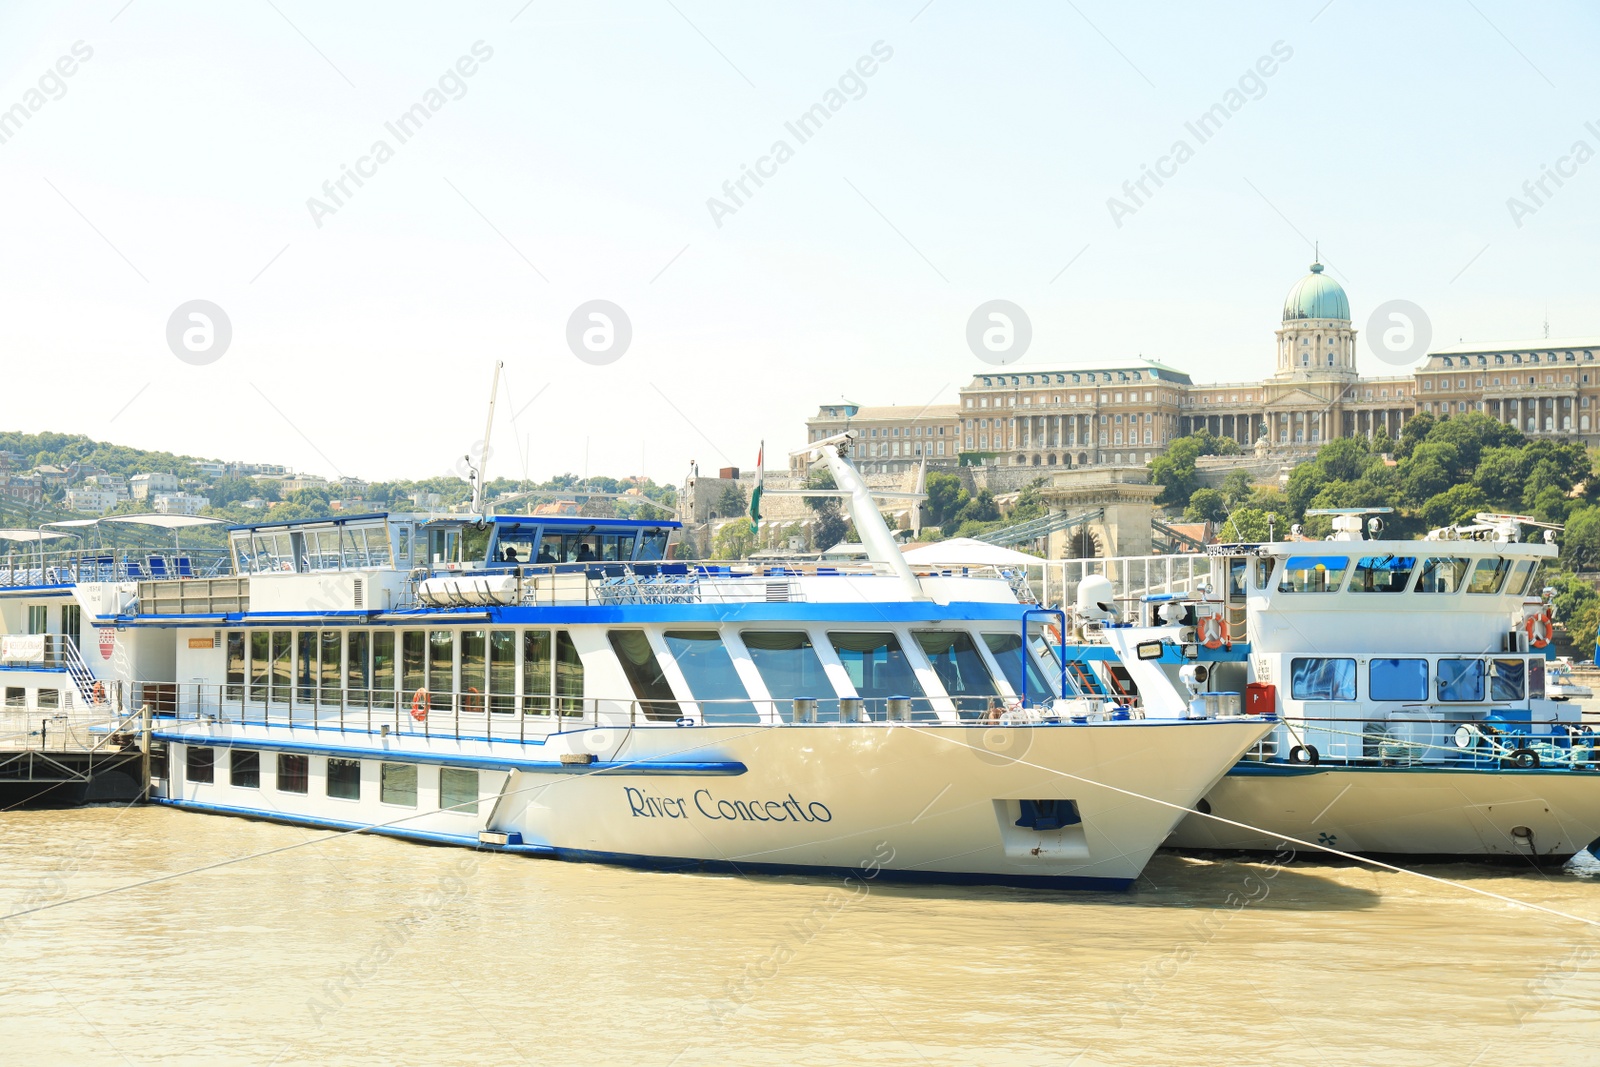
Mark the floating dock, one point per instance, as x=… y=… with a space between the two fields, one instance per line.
x=52 y=757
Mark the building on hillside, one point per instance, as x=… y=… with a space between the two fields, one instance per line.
x=1543 y=386
x=210 y=469
x=92 y=500
x=51 y=476
x=178 y=503
x=892 y=439
x=256 y=470
x=1121 y=413
x=20 y=487
x=108 y=483
x=142 y=486
x=303 y=481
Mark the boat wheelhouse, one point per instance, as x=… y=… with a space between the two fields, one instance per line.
x=562 y=687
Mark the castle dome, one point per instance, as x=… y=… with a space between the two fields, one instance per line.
x=1316 y=296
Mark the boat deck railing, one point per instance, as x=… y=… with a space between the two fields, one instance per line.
x=65 y=567
x=670 y=582
x=508 y=717
x=1449 y=742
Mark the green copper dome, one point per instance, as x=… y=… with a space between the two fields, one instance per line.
x=1316 y=296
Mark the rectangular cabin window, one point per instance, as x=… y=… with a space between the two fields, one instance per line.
x=383 y=668
x=644 y=673
x=503 y=671
x=397 y=784
x=653 y=545
x=474 y=670
x=1461 y=679
x=878 y=668
x=305 y=665
x=38 y=618
x=458 y=790
x=1318 y=678
x=344 y=778
x=1507 y=678
x=569 y=676
x=244 y=769
x=16 y=696
x=789 y=667
x=1536 y=678
x=200 y=765
x=236 y=663
x=1313 y=574
x=1488 y=575
x=402 y=547
x=475 y=544
x=1398 y=679
x=960 y=667
x=441 y=665
x=514 y=545
x=358 y=670
x=709 y=670
x=1236 y=573
x=1017 y=664
x=536 y=672
x=282 y=664
x=1442 y=574
x=294 y=773
x=1387 y=573
x=331 y=653
x=260 y=663
x=49 y=698
x=413 y=660
x=1263 y=572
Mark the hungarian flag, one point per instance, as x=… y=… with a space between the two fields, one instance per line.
x=755 y=494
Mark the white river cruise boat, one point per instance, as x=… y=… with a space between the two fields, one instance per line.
x=1409 y=679
x=560 y=687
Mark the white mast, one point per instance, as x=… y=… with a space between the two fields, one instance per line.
x=875 y=535
x=483 y=456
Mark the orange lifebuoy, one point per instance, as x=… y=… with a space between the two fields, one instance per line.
x=421 y=704
x=1214 y=631
x=472 y=701
x=1538 y=628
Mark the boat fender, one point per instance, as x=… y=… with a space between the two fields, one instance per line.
x=1524 y=758
x=421 y=704
x=1214 y=632
x=1538 y=628
x=1306 y=754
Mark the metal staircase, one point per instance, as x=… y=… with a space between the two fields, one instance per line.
x=1033 y=529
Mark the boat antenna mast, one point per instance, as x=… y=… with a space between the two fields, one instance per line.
x=475 y=475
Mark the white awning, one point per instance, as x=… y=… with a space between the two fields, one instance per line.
x=166 y=522
x=29 y=536
x=75 y=522
x=968 y=552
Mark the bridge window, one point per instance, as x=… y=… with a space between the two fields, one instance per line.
x=644 y=673
x=1007 y=650
x=1313 y=574
x=1388 y=573
x=1488 y=575
x=1461 y=679
x=1523 y=577
x=1398 y=679
x=1442 y=574
x=1316 y=678
x=788 y=666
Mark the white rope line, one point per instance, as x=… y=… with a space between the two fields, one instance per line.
x=1308 y=844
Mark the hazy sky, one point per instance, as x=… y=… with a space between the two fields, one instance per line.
x=576 y=161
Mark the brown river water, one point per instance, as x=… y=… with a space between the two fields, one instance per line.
x=362 y=950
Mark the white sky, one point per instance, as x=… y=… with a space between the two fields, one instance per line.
x=977 y=165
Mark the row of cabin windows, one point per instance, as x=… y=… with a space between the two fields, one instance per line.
x=1390 y=573
x=1462 y=680
x=536 y=671
x=397 y=782
x=540 y=672
x=16 y=696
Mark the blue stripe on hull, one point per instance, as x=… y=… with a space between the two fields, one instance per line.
x=671 y=864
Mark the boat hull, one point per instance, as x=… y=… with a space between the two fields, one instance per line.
x=1402 y=811
x=916 y=802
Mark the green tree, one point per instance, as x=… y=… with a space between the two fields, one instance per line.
x=1580 y=541
x=733 y=541
x=1236 y=487
x=1245 y=524
x=1206 y=505
x=945 y=500
x=731 y=503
